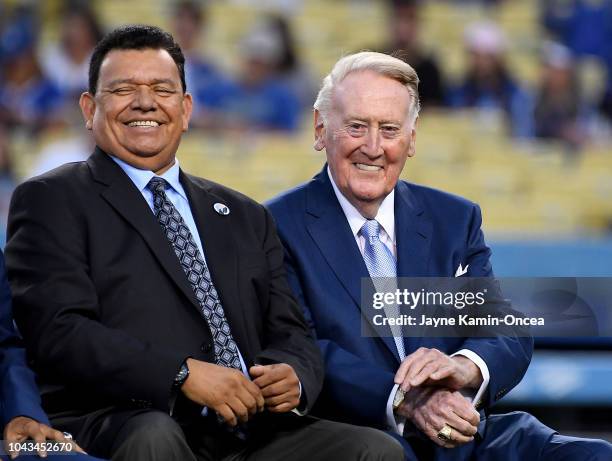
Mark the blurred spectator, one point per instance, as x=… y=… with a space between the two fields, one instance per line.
x=259 y=99
x=488 y=84
x=27 y=97
x=558 y=109
x=585 y=27
x=7 y=182
x=204 y=81
x=290 y=70
x=67 y=63
x=404 y=26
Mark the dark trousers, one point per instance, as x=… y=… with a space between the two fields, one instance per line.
x=151 y=435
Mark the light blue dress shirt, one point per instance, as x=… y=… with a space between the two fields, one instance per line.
x=176 y=193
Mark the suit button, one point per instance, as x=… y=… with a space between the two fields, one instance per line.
x=206 y=347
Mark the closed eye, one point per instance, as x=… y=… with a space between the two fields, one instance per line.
x=164 y=91
x=122 y=91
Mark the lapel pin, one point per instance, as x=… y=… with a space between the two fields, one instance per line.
x=221 y=209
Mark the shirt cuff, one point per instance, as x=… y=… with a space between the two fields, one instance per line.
x=484 y=370
x=394 y=423
x=296 y=409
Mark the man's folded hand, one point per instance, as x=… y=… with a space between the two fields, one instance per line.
x=431 y=367
x=225 y=390
x=279 y=385
x=430 y=409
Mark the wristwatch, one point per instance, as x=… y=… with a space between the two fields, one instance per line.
x=398 y=398
x=181 y=376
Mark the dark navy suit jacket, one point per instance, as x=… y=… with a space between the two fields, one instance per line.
x=18 y=388
x=435 y=232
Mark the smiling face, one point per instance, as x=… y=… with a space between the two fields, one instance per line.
x=368 y=135
x=139 y=111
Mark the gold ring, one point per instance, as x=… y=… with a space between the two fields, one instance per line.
x=446 y=433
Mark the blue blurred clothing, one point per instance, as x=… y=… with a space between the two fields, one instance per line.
x=30 y=103
x=585 y=27
x=269 y=105
x=510 y=98
x=20 y=395
x=272 y=104
x=203 y=81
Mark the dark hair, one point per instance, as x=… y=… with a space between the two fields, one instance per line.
x=288 y=59
x=135 y=37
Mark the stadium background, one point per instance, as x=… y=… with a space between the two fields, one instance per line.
x=547 y=204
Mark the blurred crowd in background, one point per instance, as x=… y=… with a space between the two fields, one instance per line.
x=271 y=85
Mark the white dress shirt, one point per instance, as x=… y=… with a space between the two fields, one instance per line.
x=386 y=218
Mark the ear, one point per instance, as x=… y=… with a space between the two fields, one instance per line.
x=412 y=148
x=187 y=110
x=319 y=131
x=88 y=108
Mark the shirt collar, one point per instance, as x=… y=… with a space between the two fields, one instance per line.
x=141 y=178
x=385 y=215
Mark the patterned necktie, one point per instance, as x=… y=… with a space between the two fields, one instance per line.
x=192 y=262
x=382 y=268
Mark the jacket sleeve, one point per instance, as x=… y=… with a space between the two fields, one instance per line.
x=57 y=309
x=18 y=388
x=507 y=357
x=289 y=339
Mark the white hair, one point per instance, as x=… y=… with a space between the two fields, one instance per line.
x=380 y=63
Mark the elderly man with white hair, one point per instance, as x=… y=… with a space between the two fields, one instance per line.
x=356 y=219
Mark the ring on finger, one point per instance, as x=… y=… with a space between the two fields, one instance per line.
x=446 y=433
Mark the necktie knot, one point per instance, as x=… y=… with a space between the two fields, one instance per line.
x=157 y=185
x=371 y=230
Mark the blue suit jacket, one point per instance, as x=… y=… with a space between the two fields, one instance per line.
x=435 y=232
x=18 y=388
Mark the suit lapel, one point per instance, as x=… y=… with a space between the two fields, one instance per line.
x=413 y=234
x=330 y=230
x=127 y=200
x=221 y=257
x=413 y=238
x=214 y=232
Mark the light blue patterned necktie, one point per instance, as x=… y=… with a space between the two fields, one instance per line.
x=381 y=265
